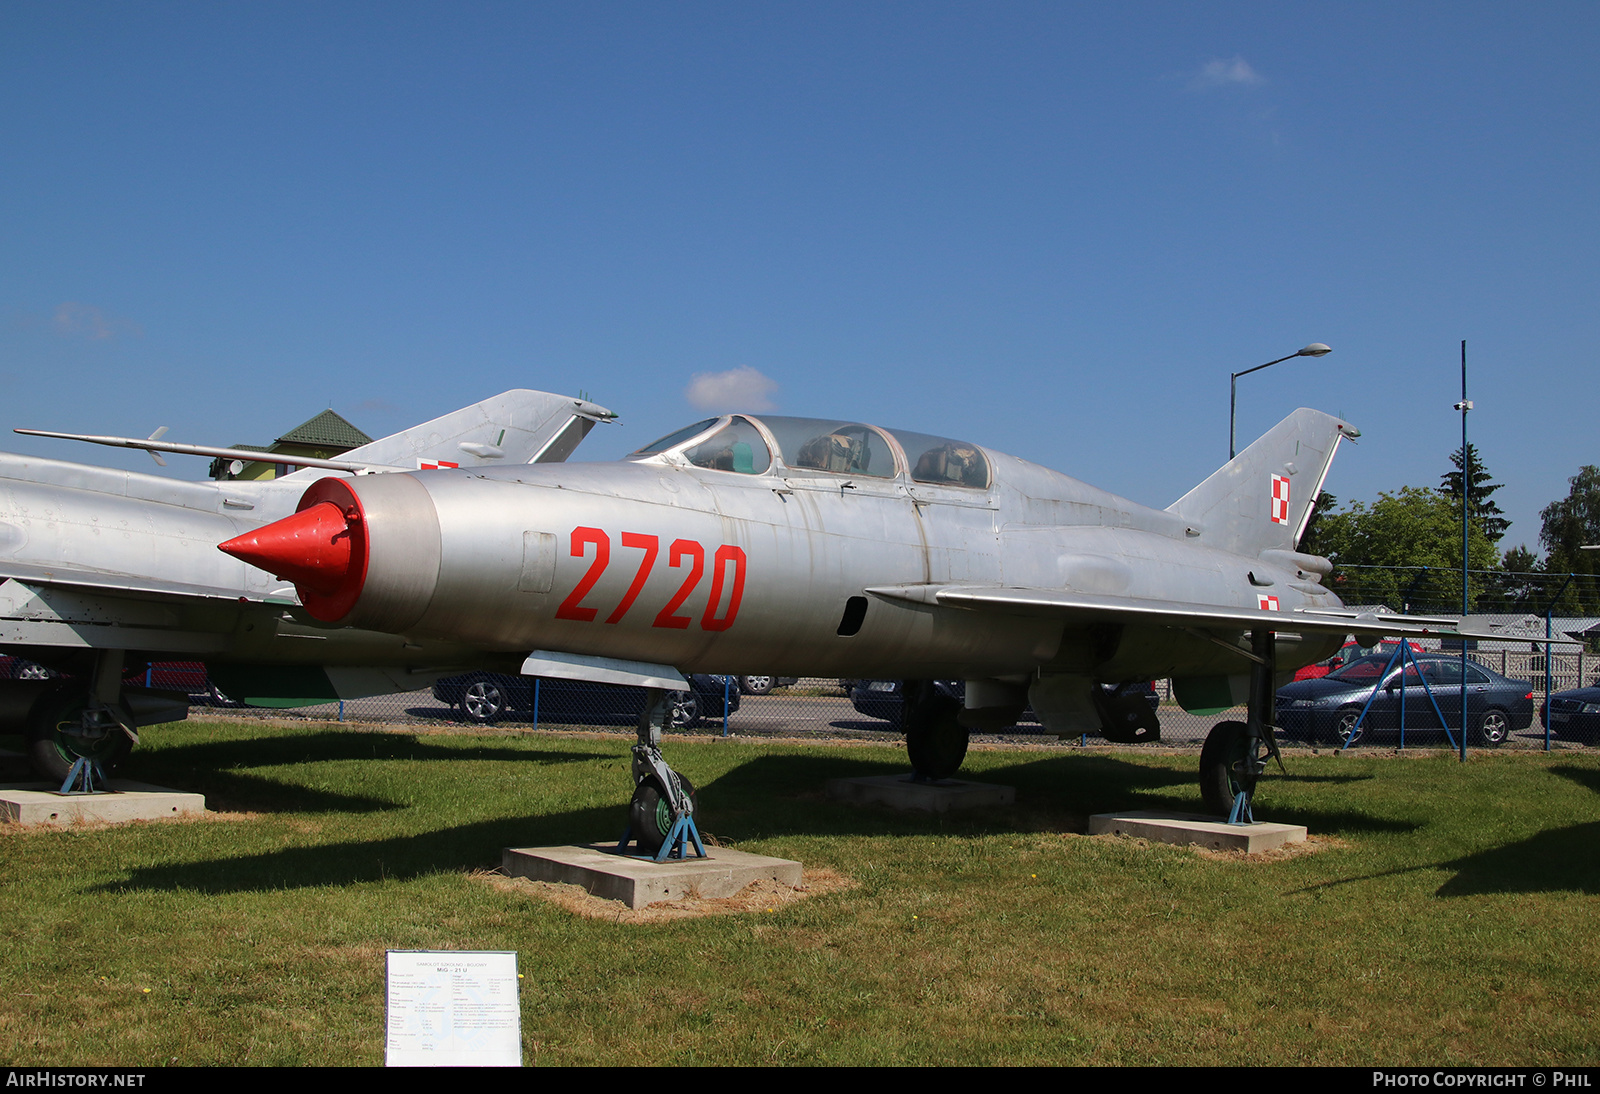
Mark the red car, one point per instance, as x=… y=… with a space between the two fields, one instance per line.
x=1349 y=652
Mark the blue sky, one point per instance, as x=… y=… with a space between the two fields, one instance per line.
x=1051 y=228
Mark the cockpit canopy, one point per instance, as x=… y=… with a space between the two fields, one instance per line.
x=750 y=446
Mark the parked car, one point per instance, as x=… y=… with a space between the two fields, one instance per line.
x=885 y=698
x=1349 y=652
x=763 y=685
x=1326 y=710
x=188 y=677
x=1573 y=715
x=485 y=697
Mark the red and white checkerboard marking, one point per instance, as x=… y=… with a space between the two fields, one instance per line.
x=1266 y=603
x=1280 y=499
x=434 y=465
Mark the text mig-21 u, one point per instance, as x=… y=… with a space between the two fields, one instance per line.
x=818 y=547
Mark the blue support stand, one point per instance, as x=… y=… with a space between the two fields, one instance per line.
x=83 y=777
x=1241 y=810
x=675 y=845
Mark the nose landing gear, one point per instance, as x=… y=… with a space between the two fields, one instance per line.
x=661 y=813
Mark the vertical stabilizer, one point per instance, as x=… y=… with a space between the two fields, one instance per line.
x=518 y=426
x=1261 y=499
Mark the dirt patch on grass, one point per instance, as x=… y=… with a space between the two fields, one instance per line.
x=1308 y=846
x=759 y=897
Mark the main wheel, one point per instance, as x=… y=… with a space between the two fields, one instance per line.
x=1227 y=766
x=52 y=749
x=936 y=740
x=1491 y=729
x=483 y=702
x=685 y=712
x=650 y=813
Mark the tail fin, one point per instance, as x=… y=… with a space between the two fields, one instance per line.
x=518 y=426
x=1261 y=499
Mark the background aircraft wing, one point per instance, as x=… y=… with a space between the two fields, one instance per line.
x=518 y=426
x=82 y=577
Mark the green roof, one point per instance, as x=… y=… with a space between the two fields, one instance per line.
x=327 y=429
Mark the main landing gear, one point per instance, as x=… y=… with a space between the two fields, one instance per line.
x=661 y=814
x=935 y=738
x=1236 y=753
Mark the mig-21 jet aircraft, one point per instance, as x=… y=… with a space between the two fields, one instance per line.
x=102 y=570
x=823 y=547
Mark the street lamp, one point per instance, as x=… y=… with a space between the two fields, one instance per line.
x=1315 y=349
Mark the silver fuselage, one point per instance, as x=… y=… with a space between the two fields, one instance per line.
x=621 y=560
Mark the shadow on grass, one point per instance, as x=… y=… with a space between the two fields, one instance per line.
x=765 y=798
x=1586 y=777
x=447 y=850
x=1561 y=860
x=782 y=795
x=220 y=769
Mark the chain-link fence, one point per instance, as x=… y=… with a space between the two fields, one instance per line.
x=824 y=709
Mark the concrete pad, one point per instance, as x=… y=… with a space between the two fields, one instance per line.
x=1192 y=828
x=899 y=792
x=637 y=882
x=42 y=804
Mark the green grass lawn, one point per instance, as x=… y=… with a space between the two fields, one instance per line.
x=1446 y=915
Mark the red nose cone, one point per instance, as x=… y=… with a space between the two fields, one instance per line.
x=311 y=548
x=322 y=549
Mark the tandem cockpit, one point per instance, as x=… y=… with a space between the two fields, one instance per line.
x=747 y=445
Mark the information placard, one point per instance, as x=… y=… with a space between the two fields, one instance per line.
x=453 y=1008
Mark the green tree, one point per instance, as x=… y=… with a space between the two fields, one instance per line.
x=1520 y=586
x=1404 y=551
x=1311 y=539
x=1480 y=506
x=1569 y=524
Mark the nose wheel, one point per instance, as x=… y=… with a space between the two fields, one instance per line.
x=661 y=813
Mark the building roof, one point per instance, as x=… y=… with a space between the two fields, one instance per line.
x=326 y=428
x=1525 y=627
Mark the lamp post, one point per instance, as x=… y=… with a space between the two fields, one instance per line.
x=1315 y=349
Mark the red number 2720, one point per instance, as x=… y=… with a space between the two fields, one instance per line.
x=683 y=554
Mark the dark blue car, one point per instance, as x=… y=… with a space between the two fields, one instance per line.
x=1574 y=715
x=1326 y=711
x=485 y=697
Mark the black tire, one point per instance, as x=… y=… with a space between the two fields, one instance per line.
x=757 y=685
x=1345 y=733
x=650 y=813
x=936 y=740
x=483 y=702
x=53 y=752
x=1491 y=729
x=685 y=710
x=1226 y=767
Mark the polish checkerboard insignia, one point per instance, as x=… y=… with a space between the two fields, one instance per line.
x=1280 y=499
x=1266 y=603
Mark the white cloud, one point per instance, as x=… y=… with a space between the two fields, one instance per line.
x=742 y=388
x=1231 y=73
x=73 y=319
